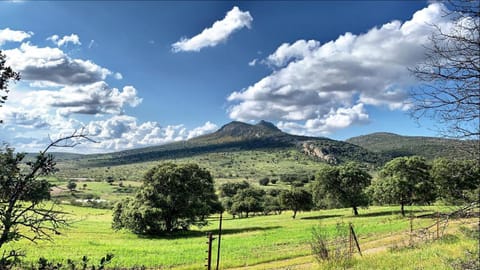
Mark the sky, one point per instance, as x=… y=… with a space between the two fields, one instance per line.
x=140 y=73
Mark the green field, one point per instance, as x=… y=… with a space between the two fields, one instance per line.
x=264 y=242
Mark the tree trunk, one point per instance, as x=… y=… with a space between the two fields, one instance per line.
x=402 y=208
x=355 y=211
x=294 y=214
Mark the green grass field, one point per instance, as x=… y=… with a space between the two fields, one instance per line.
x=254 y=242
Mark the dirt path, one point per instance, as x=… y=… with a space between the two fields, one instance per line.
x=383 y=244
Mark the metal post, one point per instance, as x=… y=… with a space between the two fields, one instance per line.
x=219 y=241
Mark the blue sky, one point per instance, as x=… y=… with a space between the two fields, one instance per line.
x=139 y=73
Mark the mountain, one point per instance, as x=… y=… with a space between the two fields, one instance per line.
x=239 y=136
x=393 y=145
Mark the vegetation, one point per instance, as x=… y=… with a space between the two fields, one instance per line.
x=404 y=180
x=271 y=240
x=296 y=199
x=6 y=75
x=392 y=145
x=450 y=92
x=345 y=184
x=172 y=197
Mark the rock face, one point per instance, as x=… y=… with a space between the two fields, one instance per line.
x=310 y=149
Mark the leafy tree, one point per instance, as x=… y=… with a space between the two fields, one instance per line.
x=346 y=183
x=6 y=75
x=456 y=180
x=172 y=197
x=296 y=200
x=450 y=92
x=404 y=180
x=248 y=200
x=71 y=185
x=110 y=180
x=264 y=181
x=230 y=189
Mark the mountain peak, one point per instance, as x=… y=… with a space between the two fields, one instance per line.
x=237 y=129
x=268 y=125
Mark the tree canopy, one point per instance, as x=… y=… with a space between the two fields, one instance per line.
x=345 y=184
x=297 y=199
x=172 y=197
x=404 y=180
x=456 y=180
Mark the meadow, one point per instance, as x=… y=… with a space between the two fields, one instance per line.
x=259 y=242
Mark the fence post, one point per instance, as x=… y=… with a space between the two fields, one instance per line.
x=209 y=251
x=219 y=240
x=438 y=225
x=350 y=248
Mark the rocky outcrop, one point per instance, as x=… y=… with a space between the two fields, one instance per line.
x=312 y=150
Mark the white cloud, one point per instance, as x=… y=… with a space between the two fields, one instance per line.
x=296 y=51
x=319 y=84
x=73 y=38
x=208 y=127
x=334 y=120
x=54 y=66
x=118 y=76
x=234 y=20
x=8 y=35
x=253 y=62
x=96 y=98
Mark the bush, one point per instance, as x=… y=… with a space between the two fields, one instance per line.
x=264 y=181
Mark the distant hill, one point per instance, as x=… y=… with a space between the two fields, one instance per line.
x=239 y=136
x=393 y=145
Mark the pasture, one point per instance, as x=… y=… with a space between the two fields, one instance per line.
x=259 y=242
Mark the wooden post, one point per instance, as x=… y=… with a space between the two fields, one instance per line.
x=209 y=251
x=356 y=240
x=350 y=247
x=438 y=225
x=219 y=241
x=411 y=228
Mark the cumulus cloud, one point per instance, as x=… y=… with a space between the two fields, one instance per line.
x=73 y=39
x=124 y=132
x=218 y=32
x=96 y=98
x=208 y=127
x=9 y=35
x=327 y=86
x=54 y=66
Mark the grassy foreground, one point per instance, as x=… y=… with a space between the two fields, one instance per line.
x=268 y=240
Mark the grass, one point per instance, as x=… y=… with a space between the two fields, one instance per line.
x=254 y=241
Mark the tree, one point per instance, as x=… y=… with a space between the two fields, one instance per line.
x=346 y=183
x=23 y=213
x=456 y=180
x=404 y=180
x=450 y=92
x=264 y=181
x=6 y=75
x=172 y=197
x=71 y=185
x=297 y=199
x=248 y=200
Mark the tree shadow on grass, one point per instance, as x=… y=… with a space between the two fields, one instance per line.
x=392 y=213
x=191 y=234
x=321 y=217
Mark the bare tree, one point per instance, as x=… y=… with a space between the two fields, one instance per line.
x=450 y=92
x=23 y=211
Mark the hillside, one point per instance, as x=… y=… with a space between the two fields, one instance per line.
x=394 y=145
x=238 y=136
